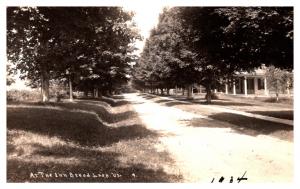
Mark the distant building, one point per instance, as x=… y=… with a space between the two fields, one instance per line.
x=249 y=83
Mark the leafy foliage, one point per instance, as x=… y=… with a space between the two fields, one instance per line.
x=279 y=80
x=79 y=44
x=206 y=45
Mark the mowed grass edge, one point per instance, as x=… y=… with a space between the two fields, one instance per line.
x=57 y=144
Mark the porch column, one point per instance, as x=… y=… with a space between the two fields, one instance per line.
x=265 y=86
x=234 y=89
x=245 y=86
x=255 y=85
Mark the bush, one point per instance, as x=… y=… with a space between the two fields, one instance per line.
x=23 y=95
x=214 y=96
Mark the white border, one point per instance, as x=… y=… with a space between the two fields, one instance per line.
x=5 y=3
x=164 y=2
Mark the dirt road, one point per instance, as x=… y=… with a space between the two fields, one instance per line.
x=210 y=151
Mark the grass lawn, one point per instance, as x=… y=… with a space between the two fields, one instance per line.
x=238 y=123
x=261 y=106
x=285 y=114
x=67 y=142
x=246 y=125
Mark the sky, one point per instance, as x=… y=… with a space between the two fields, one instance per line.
x=146 y=17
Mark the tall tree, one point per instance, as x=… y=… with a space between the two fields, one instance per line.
x=69 y=43
x=9 y=72
x=279 y=81
x=258 y=35
x=232 y=39
x=166 y=61
x=207 y=45
x=29 y=45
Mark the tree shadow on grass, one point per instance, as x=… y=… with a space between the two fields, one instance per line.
x=163 y=101
x=222 y=103
x=176 y=103
x=102 y=166
x=80 y=128
x=247 y=125
x=147 y=96
x=86 y=105
x=278 y=114
x=219 y=102
x=100 y=110
x=114 y=103
x=117 y=97
x=135 y=103
x=86 y=133
x=150 y=97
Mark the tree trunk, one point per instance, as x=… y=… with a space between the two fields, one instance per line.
x=70 y=89
x=161 y=91
x=288 y=92
x=176 y=90
x=151 y=88
x=96 y=93
x=182 y=91
x=45 y=86
x=86 y=92
x=277 y=90
x=208 y=94
x=189 y=91
x=110 y=92
x=100 y=93
x=168 y=91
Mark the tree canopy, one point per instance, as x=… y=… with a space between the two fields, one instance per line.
x=207 y=45
x=80 y=44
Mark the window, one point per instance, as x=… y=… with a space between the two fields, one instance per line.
x=250 y=84
x=260 y=83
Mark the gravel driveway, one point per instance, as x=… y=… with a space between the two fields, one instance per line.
x=211 y=151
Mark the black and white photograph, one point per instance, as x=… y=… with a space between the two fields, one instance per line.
x=163 y=93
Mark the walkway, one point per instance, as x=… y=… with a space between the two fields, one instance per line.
x=210 y=150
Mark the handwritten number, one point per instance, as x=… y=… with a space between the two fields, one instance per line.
x=221 y=179
x=242 y=178
x=239 y=179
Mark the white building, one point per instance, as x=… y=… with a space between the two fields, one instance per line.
x=250 y=83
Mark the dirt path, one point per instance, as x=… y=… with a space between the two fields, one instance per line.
x=207 y=151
